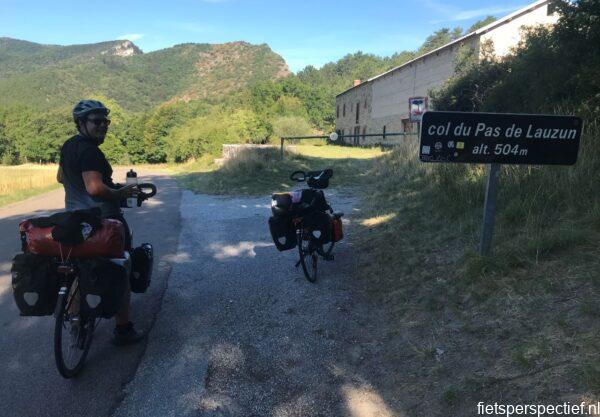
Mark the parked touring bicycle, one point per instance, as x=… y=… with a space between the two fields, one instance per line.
x=303 y=218
x=74 y=266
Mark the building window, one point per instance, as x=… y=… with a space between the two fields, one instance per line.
x=383 y=132
x=356 y=135
x=344 y=110
x=337 y=111
x=364 y=133
x=357 y=111
x=365 y=103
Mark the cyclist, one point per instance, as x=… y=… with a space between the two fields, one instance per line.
x=86 y=177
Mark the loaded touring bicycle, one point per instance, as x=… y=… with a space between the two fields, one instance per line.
x=304 y=219
x=74 y=266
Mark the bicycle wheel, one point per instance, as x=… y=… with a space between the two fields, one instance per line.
x=308 y=256
x=328 y=247
x=72 y=335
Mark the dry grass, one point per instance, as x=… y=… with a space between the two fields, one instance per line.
x=26 y=177
x=22 y=181
x=262 y=172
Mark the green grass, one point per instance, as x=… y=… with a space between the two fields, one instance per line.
x=527 y=310
x=253 y=173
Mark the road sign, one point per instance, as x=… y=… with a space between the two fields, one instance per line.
x=499 y=138
x=416 y=107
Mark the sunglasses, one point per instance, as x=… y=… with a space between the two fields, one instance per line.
x=98 y=122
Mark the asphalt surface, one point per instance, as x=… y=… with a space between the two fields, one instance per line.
x=29 y=382
x=241 y=332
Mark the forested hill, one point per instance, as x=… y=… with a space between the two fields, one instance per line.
x=174 y=104
x=19 y=57
x=46 y=76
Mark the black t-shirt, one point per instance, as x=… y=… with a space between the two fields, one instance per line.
x=79 y=154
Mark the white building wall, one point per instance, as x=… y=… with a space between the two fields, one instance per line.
x=507 y=36
x=384 y=99
x=392 y=91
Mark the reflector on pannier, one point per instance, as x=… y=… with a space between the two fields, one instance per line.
x=102 y=283
x=142 y=259
x=108 y=241
x=282 y=232
x=35 y=284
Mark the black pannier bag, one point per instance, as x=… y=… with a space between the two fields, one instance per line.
x=313 y=200
x=35 y=284
x=282 y=232
x=281 y=204
x=319 y=225
x=102 y=285
x=142 y=259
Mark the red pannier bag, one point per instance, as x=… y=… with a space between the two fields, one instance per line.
x=337 y=229
x=108 y=241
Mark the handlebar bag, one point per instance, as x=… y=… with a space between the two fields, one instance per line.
x=102 y=285
x=283 y=232
x=319 y=179
x=35 y=284
x=142 y=260
x=108 y=241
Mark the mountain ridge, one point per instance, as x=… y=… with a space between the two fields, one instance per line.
x=46 y=76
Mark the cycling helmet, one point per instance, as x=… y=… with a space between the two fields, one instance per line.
x=85 y=107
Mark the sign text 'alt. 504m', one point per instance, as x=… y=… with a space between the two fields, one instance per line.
x=499 y=138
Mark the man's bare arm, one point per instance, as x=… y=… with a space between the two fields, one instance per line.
x=96 y=188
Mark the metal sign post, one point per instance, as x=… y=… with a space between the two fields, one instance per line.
x=498 y=138
x=489 y=209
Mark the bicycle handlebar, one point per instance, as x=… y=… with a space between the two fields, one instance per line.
x=142 y=195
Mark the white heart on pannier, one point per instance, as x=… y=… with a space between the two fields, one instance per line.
x=93 y=300
x=316 y=233
x=31 y=298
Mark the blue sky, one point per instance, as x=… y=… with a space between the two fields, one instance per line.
x=303 y=32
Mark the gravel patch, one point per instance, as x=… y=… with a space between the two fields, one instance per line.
x=242 y=333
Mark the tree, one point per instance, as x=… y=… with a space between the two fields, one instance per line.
x=481 y=23
x=291 y=126
x=439 y=38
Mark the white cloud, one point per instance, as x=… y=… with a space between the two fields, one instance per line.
x=470 y=14
x=453 y=14
x=131 y=37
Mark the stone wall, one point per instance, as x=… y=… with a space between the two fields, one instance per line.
x=233 y=150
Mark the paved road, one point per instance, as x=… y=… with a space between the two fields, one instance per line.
x=242 y=333
x=29 y=382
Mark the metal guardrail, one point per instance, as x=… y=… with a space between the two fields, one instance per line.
x=341 y=138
